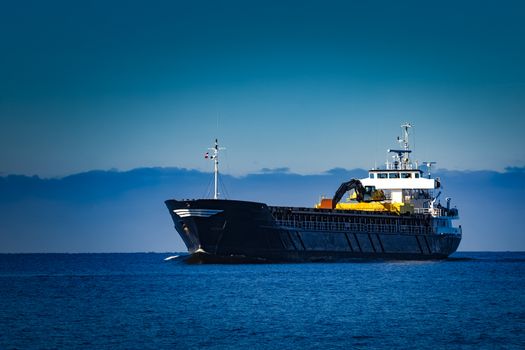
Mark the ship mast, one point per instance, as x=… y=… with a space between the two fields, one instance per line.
x=215 y=158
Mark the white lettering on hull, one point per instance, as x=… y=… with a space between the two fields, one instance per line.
x=204 y=213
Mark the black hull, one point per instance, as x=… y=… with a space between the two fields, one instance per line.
x=227 y=231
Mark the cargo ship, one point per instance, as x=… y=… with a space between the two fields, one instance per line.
x=393 y=214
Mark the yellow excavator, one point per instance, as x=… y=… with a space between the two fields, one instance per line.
x=363 y=199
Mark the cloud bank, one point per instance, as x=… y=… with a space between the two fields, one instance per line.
x=113 y=211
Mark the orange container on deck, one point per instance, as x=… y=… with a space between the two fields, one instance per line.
x=326 y=203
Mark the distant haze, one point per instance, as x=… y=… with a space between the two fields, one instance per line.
x=111 y=211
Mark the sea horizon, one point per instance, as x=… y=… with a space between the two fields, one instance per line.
x=185 y=252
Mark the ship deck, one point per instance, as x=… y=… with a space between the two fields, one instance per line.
x=351 y=220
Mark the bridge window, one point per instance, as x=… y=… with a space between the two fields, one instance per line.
x=406 y=175
x=382 y=175
x=393 y=175
x=417 y=175
x=371 y=175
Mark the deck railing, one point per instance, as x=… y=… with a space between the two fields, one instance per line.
x=436 y=212
x=354 y=227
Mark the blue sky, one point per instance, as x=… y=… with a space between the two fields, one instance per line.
x=309 y=85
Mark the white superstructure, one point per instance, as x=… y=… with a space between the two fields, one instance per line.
x=402 y=181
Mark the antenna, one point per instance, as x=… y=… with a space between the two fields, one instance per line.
x=429 y=167
x=215 y=157
x=405 y=127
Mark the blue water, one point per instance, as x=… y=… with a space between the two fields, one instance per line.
x=138 y=301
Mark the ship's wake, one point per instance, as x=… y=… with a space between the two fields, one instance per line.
x=173 y=257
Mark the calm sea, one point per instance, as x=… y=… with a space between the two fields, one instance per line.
x=140 y=301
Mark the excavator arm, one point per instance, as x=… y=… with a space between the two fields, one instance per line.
x=354 y=184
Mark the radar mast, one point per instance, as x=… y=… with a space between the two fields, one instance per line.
x=401 y=157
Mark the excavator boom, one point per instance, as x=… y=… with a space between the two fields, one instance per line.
x=353 y=184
